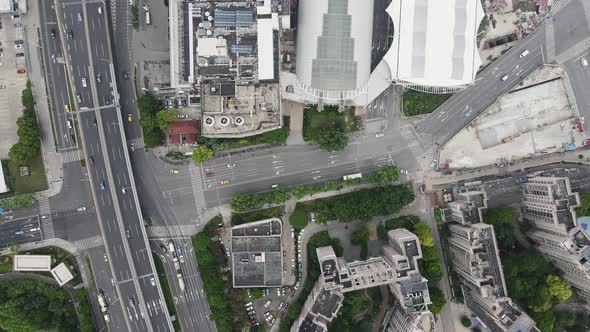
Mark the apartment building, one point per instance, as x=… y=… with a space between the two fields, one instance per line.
x=549 y=204
x=467 y=208
x=474 y=255
x=397 y=267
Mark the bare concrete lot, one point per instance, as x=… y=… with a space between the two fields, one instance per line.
x=12 y=83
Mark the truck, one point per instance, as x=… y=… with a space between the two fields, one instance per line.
x=171 y=246
x=102 y=302
x=569 y=147
x=180 y=281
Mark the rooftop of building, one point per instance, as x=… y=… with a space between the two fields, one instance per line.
x=434 y=43
x=256 y=252
x=237 y=64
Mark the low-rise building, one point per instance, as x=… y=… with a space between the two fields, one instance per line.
x=32 y=263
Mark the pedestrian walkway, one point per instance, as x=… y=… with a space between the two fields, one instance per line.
x=88 y=243
x=47 y=231
x=173 y=231
x=198 y=188
x=71 y=156
x=295 y=112
x=137 y=142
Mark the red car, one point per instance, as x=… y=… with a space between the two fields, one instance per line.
x=21 y=71
x=209 y=174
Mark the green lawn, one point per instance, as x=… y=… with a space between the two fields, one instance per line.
x=166 y=290
x=242 y=218
x=5 y=264
x=328 y=118
x=416 y=103
x=32 y=183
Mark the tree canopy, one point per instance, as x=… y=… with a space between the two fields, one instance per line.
x=331 y=139
x=385 y=175
x=29 y=135
x=165 y=117
x=438 y=300
x=202 y=153
x=501 y=219
x=298 y=219
x=424 y=233
x=360 y=235
x=149 y=106
x=32 y=306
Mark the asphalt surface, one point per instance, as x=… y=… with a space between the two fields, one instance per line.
x=89 y=57
x=560 y=35
x=21 y=230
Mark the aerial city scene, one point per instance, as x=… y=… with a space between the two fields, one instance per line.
x=294 y=165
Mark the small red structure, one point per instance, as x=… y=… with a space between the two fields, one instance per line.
x=183 y=132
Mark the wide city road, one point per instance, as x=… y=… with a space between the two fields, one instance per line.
x=86 y=38
x=561 y=37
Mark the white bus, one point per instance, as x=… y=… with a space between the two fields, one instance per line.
x=352 y=176
x=148 y=18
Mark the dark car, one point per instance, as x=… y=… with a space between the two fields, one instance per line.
x=107 y=100
x=20 y=54
x=126 y=75
x=70 y=34
x=91 y=159
x=102 y=185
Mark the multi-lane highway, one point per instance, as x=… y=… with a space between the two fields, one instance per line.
x=85 y=37
x=561 y=37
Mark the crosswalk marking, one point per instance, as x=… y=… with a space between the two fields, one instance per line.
x=198 y=188
x=90 y=242
x=418 y=150
x=137 y=142
x=175 y=231
x=550 y=42
x=574 y=51
x=46 y=219
x=71 y=156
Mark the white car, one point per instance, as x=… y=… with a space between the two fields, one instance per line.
x=153 y=281
x=81 y=208
x=403 y=171
x=84 y=81
x=584 y=62
x=380 y=135
x=434 y=163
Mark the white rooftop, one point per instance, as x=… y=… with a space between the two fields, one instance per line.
x=3 y=187
x=32 y=262
x=434 y=42
x=266 y=67
x=208 y=47
x=62 y=274
x=5 y=6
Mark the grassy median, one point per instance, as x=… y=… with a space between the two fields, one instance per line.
x=166 y=290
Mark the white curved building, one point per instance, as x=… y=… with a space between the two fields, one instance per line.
x=334 y=48
x=434 y=45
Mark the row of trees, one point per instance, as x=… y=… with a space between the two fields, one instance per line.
x=242 y=202
x=29 y=135
x=154 y=119
x=431 y=264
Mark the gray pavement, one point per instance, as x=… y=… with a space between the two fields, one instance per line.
x=559 y=37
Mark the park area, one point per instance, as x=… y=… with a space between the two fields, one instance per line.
x=329 y=127
x=416 y=103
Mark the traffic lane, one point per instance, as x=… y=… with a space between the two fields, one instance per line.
x=20 y=231
x=78 y=54
x=55 y=72
x=106 y=284
x=157 y=311
x=487 y=80
x=223 y=194
x=76 y=226
x=579 y=77
x=131 y=307
x=468 y=104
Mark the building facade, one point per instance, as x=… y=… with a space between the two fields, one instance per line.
x=549 y=204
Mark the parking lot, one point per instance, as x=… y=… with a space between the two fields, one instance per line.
x=13 y=79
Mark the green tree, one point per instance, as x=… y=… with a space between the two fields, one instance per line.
x=277 y=196
x=17 y=202
x=424 y=233
x=298 y=219
x=544 y=320
x=438 y=300
x=148 y=123
x=385 y=175
x=148 y=105
x=165 y=117
x=299 y=191
x=501 y=219
x=241 y=202
x=202 y=153
x=331 y=139
x=360 y=236
x=14 y=248
x=558 y=289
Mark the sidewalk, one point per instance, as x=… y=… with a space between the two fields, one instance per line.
x=437 y=180
x=52 y=160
